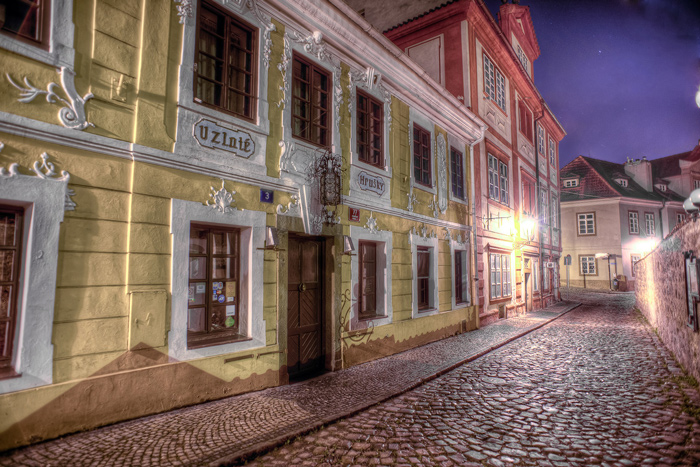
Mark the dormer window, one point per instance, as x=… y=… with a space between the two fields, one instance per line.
x=661 y=187
x=622 y=182
x=570 y=182
x=522 y=57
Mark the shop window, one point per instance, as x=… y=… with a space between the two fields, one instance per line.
x=370 y=130
x=11 y=221
x=311 y=102
x=422 y=163
x=225 y=72
x=457 y=165
x=213 y=292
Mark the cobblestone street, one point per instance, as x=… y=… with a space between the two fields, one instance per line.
x=595 y=387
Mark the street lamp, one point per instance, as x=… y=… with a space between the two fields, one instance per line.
x=606 y=255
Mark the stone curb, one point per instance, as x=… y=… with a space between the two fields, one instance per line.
x=262 y=447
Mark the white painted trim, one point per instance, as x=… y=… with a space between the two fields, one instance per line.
x=429 y=126
x=462 y=147
x=454 y=247
x=43 y=200
x=432 y=243
x=61 y=31
x=384 y=240
x=464 y=29
x=252 y=224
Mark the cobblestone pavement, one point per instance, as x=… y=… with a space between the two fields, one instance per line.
x=595 y=387
x=226 y=429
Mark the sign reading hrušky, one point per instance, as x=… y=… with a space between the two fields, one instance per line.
x=211 y=135
x=372 y=183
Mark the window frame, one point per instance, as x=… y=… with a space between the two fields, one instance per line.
x=649 y=218
x=371 y=100
x=254 y=32
x=208 y=338
x=463 y=281
x=578 y=224
x=553 y=209
x=552 y=152
x=499 y=182
x=630 y=222
x=535 y=275
x=595 y=265
x=680 y=217
x=457 y=170
x=384 y=311
x=422 y=132
x=313 y=68
x=544 y=205
x=500 y=276
x=529 y=203
x=494 y=83
x=43 y=28
x=418 y=242
x=570 y=182
x=7 y=369
x=525 y=120
x=360 y=282
x=423 y=251
x=633 y=262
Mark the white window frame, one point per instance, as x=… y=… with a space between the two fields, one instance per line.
x=585 y=217
x=494 y=83
x=633 y=222
x=503 y=179
x=588 y=260
x=633 y=262
x=494 y=187
x=570 y=183
x=465 y=150
x=455 y=249
x=552 y=153
x=680 y=218
x=43 y=202
x=696 y=184
x=433 y=244
x=416 y=118
x=385 y=311
x=544 y=205
x=540 y=139
x=498 y=272
x=649 y=224
x=622 y=182
x=553 y=210
x=61 y=32
x=252 y=225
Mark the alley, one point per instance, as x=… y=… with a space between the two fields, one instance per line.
x=594 y=387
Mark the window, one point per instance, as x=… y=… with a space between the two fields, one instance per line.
x=572 y=182
x=587 y=265
x=421 y=156
x=503 y=169
x=423 y=274
x=11 y=221
x=500 y=276
x=461 y=280
x=522 y=57
x=540 y=139
x=225 y=72
x=696 y=184
x=529 y=197
x=493 y=178
x=525 y=123
x=586 y=223
x=370 y=130
x=368 y=280
x=535 y=275
x=552 y=153
x=28 y=21
x=213 y=288
x=555 y=213
x=494 y=83
x=457 y=165
x=633 y=261
x=310 y=103
x=680 y=218
x=544 y=206
x=650 y=228
x=622 y=182
x=661 y=187
x=633 y=222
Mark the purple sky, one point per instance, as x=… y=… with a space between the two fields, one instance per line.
x=620 y=75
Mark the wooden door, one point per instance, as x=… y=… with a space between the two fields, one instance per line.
x=304 y=306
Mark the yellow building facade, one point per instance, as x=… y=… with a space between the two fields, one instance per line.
x=205 y=198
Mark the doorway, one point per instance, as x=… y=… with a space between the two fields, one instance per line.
x=528 y=293
x=305 y=307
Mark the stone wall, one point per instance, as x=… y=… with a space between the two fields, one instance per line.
x=661 y=294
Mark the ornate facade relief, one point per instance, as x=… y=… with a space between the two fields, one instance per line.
x=45 y=171
x=72 y=115
x=371 y=224
x=370 y=79
x=184 y=9
x=282 y=67
x=292 y=208
x=412 y=200
x=442 y=174
x=221 y=199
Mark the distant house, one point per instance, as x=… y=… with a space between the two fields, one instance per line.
x=620 y=210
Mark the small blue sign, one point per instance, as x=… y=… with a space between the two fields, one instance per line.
x=221 y=299
x=267 y=196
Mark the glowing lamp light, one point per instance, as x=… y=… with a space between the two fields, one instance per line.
x=602 y=255
x=689 y=207
x=529 y=226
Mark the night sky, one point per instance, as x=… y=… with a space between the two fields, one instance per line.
x=620 y=75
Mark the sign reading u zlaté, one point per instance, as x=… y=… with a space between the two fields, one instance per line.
x=211 y=135
x=369 y=182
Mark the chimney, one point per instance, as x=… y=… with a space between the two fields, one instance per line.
x=640 y=171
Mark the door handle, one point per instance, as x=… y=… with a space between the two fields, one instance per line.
x=302 y=287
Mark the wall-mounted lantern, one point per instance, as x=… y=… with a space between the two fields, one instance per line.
x=348 y=245
x=272 y=241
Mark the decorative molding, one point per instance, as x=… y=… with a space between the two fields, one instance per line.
x=442 y=188
x=45 y=171
x=72 y=115
x=337 y=99
x=184 y=10
x=371 y=224
x=369 y=79
x=11 y=172
x=329 y=217
x=221 y=200
x=314 y=45
x=292 y=208
x=282 y=67
x=412 y=199
x=434 y=206
x=448 y=235
x=421 y=234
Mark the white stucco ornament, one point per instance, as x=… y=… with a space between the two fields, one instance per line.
x=45 y=171
x=371 y=224
x=221 y=199
x=72 y=115
x=184 y=9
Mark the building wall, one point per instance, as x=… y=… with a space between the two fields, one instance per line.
x=115 y=333
x=662 y=296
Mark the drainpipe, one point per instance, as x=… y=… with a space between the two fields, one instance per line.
x=540 y=267
x=661 y=218
x=472 y=189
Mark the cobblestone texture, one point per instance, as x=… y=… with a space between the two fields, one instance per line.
x=595 y=387
x=223 y=429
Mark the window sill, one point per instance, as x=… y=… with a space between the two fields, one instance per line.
x=501 y=299
x=9 y=373
x=370 y=318
x=217 y=341
x=428 y=310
